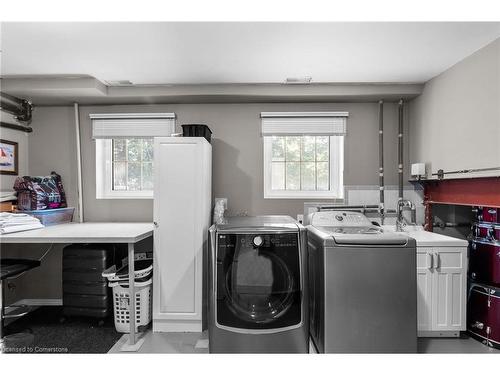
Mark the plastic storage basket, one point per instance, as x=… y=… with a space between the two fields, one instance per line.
x=118 y=281
x=142 y=270
x=121 y=302
x=53 y=216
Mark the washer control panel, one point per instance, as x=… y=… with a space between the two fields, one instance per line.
x=339 y=219
x=228 y=241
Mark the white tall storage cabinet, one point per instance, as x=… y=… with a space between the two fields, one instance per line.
x=182 y=206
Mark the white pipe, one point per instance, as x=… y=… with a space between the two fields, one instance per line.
x=79 y=190
x=400 y=150
x=381 y=159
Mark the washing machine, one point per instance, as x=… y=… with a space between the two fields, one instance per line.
x=258 y=301
x=362 y=284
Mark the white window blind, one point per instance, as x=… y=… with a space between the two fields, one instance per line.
x=304 y=123
x=132 y=125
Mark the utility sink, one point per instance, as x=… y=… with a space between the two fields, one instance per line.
x=407 y=228
x=425 y=238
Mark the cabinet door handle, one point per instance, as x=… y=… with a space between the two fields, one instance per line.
x=429 y=261
x=436 y=261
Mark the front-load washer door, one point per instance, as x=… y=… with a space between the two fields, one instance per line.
x=258 y=281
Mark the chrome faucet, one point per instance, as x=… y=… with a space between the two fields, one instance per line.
x=400 y=220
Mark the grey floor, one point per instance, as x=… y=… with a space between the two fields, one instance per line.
x=464 y=344
x=191 y=343
x=172 y=342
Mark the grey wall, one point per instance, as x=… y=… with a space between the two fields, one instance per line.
x=6 y=184
x=237 y=165
x=455 y=122
x=52 y=146
x=43 y=282
x=238 y=154
x=7 y=181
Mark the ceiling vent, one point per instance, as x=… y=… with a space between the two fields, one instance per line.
x=298 y=81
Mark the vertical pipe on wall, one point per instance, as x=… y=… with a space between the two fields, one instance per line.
x=381 y=159
x=79 y=191
x=400 y=149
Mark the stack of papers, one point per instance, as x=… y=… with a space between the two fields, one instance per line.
x=6 y=196
x=10 y=223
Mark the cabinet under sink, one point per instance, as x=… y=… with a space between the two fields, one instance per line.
x=441 y=282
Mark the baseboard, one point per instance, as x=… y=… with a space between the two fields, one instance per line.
x=35 y=302
x=176 y=326
x=40 y=302
x=438 y=334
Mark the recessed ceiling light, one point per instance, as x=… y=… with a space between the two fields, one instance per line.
x=298 y=80
x=123 y=82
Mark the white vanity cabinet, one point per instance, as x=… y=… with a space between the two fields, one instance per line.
x=182 y=204
x=441 y=285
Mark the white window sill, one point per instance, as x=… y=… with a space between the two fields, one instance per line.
x=125 y=195
x=276 y=194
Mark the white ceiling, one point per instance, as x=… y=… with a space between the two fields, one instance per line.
x=201 y=53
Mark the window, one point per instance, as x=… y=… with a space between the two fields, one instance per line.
x=307 y=165
x=124 y=168
x=132 y=164
x=124 y=153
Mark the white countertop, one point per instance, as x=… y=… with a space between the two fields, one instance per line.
x=425 y=238
x=83 y=233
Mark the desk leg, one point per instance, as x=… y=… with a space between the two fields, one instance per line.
x=2 y=312
x=131 y=285
x=131 y=345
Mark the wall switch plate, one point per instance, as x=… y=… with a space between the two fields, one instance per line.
x=221 y=199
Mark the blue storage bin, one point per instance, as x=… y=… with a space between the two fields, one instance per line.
x=52 y=217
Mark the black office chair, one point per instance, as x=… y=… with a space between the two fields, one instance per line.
x=11 y=268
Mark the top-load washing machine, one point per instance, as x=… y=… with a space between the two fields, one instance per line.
x=258 y=300
x=362 y=285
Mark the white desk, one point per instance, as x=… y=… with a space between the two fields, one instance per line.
x=129 y=233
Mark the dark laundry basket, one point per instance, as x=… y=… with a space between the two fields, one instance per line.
x=197 y=130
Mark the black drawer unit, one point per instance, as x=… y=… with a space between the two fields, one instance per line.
x=87 y=300
x=82 y=287
x=90 y=312
x=85 y=291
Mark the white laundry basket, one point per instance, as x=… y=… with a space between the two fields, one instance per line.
x=142 y=301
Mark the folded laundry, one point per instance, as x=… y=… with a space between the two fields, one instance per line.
x=11 y=217
x=6 y=196
x=20 y=228
x=18 y=219
x=10 y=223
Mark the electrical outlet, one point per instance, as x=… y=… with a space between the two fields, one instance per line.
x=300 y=218
x=140 y=256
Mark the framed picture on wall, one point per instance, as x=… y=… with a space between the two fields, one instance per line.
x=9 y=157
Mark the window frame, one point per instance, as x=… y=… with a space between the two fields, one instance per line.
x=104 y=174
x=336 y=168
